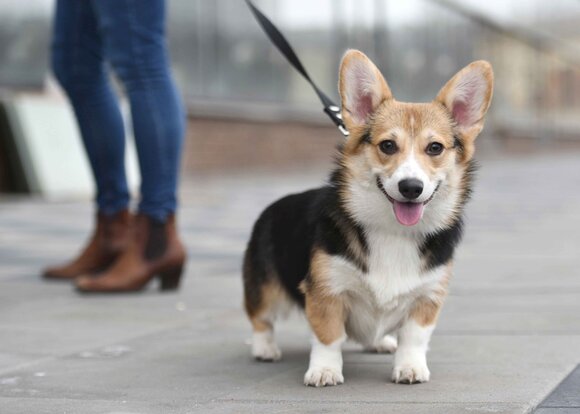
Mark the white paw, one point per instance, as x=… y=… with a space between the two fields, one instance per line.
x=323 y=376
x=410 y=372
x=387 y=345
x=264 y=348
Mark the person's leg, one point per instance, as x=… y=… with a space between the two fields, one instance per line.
x=78 y=64
x=134 y=37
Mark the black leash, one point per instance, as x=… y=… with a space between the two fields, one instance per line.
x=331 y=109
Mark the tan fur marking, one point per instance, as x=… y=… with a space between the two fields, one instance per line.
x=261 y=326
x=426 y=310
x=271 y=293
x=325 y=311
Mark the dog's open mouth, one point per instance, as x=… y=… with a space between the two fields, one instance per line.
x=407 y=213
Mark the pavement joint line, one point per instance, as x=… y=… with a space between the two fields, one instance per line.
x=445 y=332
x=556 y=406
x=363 y=402
x=124 y=401
x=545 y=403
x=202 y=403
x=537 y=402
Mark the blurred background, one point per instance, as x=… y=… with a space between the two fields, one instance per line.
x=248 y=109
x=510 y=331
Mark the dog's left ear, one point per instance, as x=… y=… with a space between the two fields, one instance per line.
x=467 y=97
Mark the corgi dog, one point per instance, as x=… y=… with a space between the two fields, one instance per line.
x=369 y=256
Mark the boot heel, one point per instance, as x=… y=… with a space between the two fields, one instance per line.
x=170 y=278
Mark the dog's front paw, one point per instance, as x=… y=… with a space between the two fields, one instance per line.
x=410 y=372
x=323 y=376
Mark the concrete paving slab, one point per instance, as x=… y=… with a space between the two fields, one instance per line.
x=50 y=406
x=508 y=335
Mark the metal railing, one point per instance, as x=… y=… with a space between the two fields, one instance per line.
x=223 y=58
x=225 y=65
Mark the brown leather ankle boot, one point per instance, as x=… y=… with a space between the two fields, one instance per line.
x=154 y=251
x=110 y=238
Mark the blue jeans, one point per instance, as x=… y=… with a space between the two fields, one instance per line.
x=129 y=35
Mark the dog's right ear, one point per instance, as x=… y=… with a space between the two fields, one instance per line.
x=362 y=89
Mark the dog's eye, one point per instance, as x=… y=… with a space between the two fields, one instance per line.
x=434 y=148
x=388 y=146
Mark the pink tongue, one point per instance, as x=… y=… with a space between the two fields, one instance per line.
x=408 y=214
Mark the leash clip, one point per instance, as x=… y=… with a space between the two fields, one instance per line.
x=333 y=112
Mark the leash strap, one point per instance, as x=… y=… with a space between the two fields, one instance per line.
x=330 y=108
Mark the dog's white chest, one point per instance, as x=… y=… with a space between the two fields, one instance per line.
x=394 y=268
x=381 y=298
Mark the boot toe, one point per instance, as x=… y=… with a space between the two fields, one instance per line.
x=84 y=283
x=49 y=273
x=57 y=273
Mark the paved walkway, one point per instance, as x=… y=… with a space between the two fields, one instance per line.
x=509 y=333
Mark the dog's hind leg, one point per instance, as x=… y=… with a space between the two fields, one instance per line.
x=262 y=300
x=264 y=347
x=385 y=345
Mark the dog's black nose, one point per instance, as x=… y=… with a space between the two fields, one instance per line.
x=411 y=188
